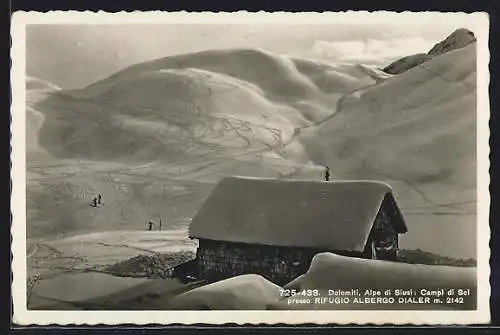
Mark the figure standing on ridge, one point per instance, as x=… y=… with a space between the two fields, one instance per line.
x=151 y=224
x=327 y=174
x=99 y=198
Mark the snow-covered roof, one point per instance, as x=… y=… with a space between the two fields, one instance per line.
x=335 y=215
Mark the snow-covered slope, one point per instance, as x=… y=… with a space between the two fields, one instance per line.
x=194 y=104
x=426 y=115
x=157 y=136
x=417 y=131
x=36 y=90
x=33 y=83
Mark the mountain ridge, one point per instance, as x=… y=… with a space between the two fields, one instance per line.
x=460 y=38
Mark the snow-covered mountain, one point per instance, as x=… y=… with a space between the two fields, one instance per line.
x=154 y=138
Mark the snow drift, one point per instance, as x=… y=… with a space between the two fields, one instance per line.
x=246 y=292
x=329 y=271
x=332 y=271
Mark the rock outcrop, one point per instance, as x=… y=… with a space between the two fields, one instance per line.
x=406 y=63
x=456 y=40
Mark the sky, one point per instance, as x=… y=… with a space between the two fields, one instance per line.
x=76 y=55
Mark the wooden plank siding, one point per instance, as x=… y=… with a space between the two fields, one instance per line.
x=383 y=234
x=218 y=260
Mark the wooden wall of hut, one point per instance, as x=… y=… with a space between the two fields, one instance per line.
x=218 y=260
x=384 y=235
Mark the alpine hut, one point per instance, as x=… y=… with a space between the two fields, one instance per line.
x=274 y=227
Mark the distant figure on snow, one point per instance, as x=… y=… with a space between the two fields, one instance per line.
x=94 y=202
x=327 y=174
x=151 y=224
x=99 y=198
